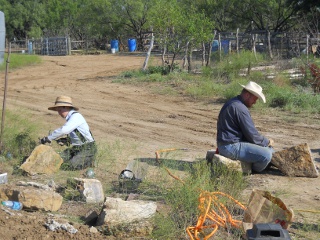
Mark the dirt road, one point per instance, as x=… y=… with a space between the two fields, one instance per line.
x=116 y=111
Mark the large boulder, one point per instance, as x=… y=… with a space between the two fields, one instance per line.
x=42 y=160
x=32 y=198
x=295 y=161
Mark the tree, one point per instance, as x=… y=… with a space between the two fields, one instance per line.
x=131 y=17
x=23 y=18
x=274 y=15
x=219 y=12
x=179 y=27
x=304 y=5
x=307 y=16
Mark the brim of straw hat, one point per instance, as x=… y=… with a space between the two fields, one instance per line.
x=54 y=108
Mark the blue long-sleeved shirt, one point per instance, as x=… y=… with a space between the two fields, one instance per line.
x=236 y=125
x=74 y=120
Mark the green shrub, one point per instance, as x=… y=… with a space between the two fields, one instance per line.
x=19 y=134
x=163 y=70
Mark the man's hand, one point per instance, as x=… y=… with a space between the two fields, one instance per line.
x=271 y=143
x=44 y=140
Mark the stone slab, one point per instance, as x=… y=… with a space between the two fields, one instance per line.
x=295 y=161
x=213 y=157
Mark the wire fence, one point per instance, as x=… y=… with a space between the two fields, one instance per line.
x=276 y=45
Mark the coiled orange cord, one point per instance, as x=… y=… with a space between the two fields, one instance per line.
x=207 y=202
x=221 y=217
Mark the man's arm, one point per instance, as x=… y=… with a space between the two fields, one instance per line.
x=249 y=130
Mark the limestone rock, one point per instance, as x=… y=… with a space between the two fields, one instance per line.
x=90 y=189
x=214 y=158
x=43 y=159
x=117 y=211
x=295 y=161
x=32 y=198
x=134 y=230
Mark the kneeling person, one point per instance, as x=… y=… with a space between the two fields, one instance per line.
x=82 y=152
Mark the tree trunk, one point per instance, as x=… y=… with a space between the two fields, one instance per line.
x=162 y=56
x=148 y=53
x=203 y=54
x=185 y=56
x=209 y=53
x=172 y=62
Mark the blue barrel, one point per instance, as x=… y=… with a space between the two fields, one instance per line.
x=132 y=45
x=2 y=37
x=115 y=45
x=30 y=50
x=215 y=46
x=225 y=46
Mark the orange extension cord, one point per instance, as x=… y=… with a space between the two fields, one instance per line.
x=221 y=217
x=207 y=202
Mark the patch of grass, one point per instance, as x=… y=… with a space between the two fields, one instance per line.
x=182 y=198
x=221 y=81
x=231 y=65
x=19 y=60
x=19 y=134
x=111 y=159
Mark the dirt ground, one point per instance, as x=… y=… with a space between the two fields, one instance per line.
x=136 y=114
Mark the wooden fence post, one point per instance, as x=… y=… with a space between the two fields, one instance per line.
x=219 y=37
x=237 y=41
x=203 y=53
x=269 y=45
x=307 y=48
x=254 y=38
x=210 y=48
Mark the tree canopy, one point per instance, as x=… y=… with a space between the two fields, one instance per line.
x=182 y=21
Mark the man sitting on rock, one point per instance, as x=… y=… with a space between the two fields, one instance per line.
x=237 y=136
x=82 y=152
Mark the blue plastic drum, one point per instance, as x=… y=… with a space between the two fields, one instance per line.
x=132 y=45
x=115 y=45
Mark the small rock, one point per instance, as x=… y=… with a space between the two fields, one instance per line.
x=93 y=230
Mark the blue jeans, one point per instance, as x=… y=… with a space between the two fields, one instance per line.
x=259 y=156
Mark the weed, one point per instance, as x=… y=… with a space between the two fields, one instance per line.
x=182 y=199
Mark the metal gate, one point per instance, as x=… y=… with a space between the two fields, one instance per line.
x=57 y=46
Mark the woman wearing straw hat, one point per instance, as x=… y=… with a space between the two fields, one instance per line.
x=237 y=136
x=82 y=152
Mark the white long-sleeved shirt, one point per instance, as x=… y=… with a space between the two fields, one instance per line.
x=74 y=120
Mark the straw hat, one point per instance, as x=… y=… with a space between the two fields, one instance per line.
x=63 y=101
x=255 y=89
